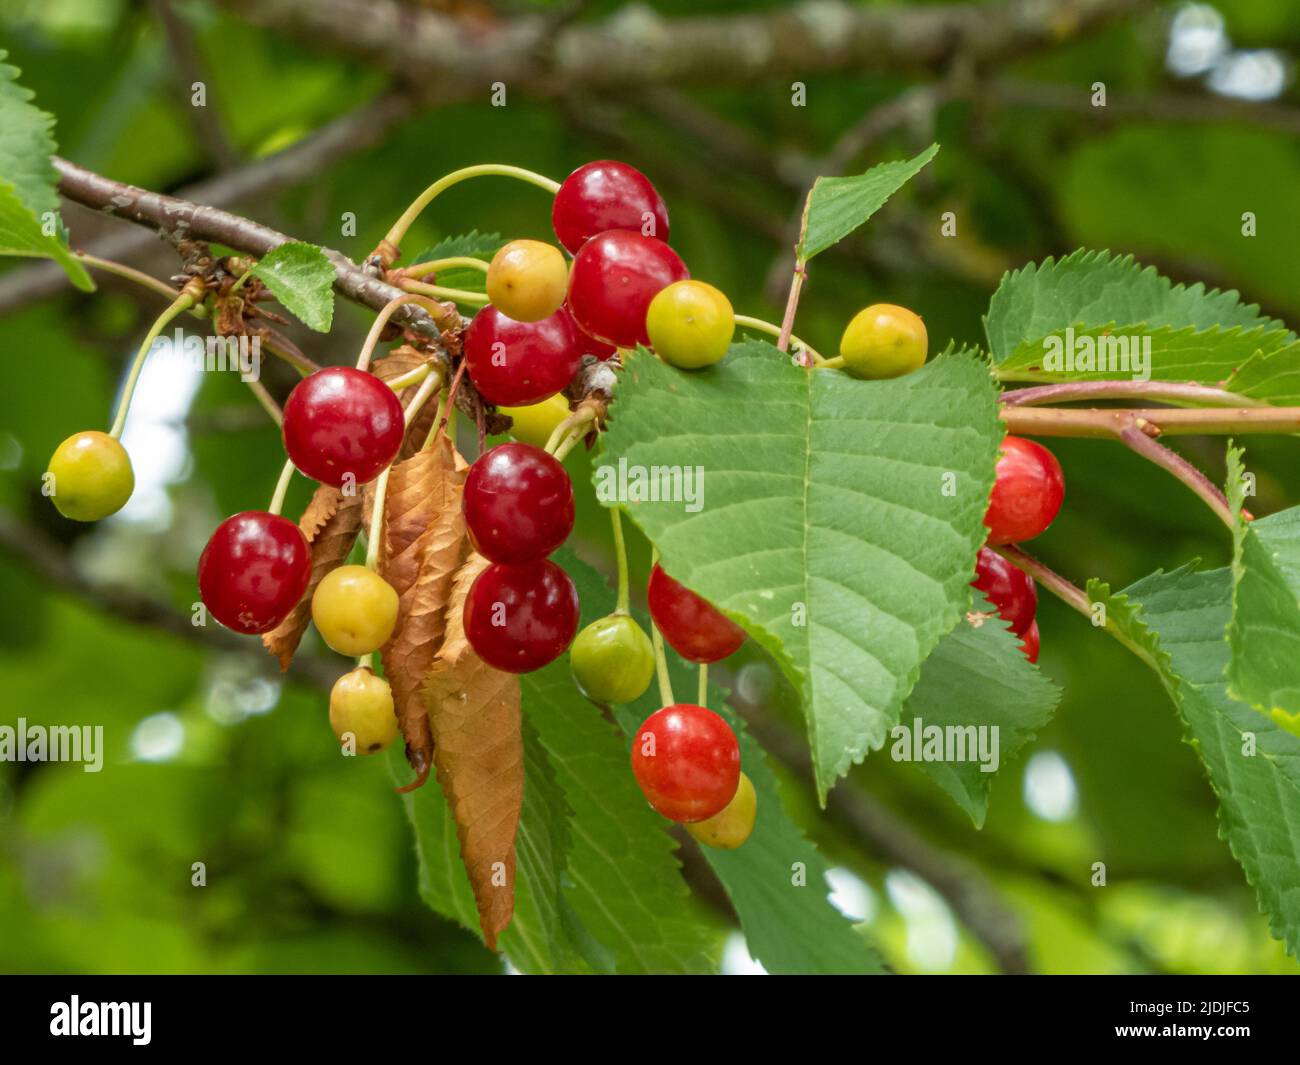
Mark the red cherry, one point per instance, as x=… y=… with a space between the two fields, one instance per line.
x=254 y=571
x=1027 y=492
x=694 y=628
x=589 y=345
x=520 y=618
x=518 y=503
x=1029 y=642
x=687 y=761
x=607 y=195
x=514 y=363
x=614 y=278
x=342 y=421
x=1009 y=588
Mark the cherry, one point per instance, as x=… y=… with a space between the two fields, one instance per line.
x=1029 y=642
x=613 y=280
x=612 y=660
x=534 y=423
x=361 y=711
x=254 y=570
x=342 y=423
x=1009 y=588
x=687 y=761
x=1027 y=492
x=518 y=503
x=729 y=828
x=520 y=618
x=354 y=609
x=607 y=195
x=90 y=476
x=589 y=345
x=695 y=629
x=527 y=280
x=516 y=363
x=884 y=340
x=690 y=324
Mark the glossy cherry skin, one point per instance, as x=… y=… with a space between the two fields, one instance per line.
x=613 y=279
x=1029 y=642
x=687 y=761
x=1009 y=588
x=520 y=618
x=589 y=345
x=518 y=503
x=342 y=421
x=1027 y=492
x=695 y=629
x=254 y=571
x=513 y=363
x=607 y=195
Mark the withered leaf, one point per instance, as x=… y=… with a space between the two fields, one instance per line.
x=330 y=523
x=479 y=753
x=423 y=544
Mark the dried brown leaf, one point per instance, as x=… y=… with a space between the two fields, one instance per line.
x=330 y=523
x=474 y=711
x=423 y=544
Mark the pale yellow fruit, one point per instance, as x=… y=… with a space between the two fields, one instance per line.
x=355 y=610
x=361 y=711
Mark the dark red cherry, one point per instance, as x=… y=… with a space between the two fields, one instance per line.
x=518 y=503
x=1009 y=588
x=342 y=421
x=254 y=571
x=687 y=761
x=1027 y=492
x=696 y=630
x=514 y=363
x=1029 y=642
x=614 y=277
x=607 y=195
x=589 y=345
x=522 y=617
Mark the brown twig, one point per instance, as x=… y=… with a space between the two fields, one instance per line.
x=1156 y=421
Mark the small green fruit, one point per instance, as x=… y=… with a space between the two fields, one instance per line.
x=89 y=476
x=612 y=660
x=690 y=324
x=884 y=340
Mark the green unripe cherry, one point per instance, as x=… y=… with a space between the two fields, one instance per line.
x=884 y=340
x=732 y=825
x=612 y=660
x=89 y=476
x=690 y=324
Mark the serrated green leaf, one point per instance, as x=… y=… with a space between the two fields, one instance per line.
x=838 y=205
x=302 y=279
x=474 y=245
x=1179 y=619
x=1269 y=377
x=978 y=677
x=21 y=234
x=840 y=522
x=1090 y=290
x=1264 y=633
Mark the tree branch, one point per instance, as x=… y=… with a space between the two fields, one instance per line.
x=1155 y=421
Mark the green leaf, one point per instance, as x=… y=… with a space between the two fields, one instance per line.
x=840 y=522
x=29 y=201
x=302 y=279
x=838 y=205
x=978 y=677
x=1090 y=290
x=1264 y=632
x=474 y=245
x=21 y=234
x=1179 y=619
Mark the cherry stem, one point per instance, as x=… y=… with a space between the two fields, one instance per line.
x=459 y=295
x=746 y=322
x=1139 y=442
x=561 y=432
x=281 y=488
x=704 y=685
x=1172 y=391
x=571 y=441
x=398 y=231
x=449 y=406
x=377 y=520
x=620 y=557
x=284 y=348
x=411 y=377
x=792 y=301
x=181 y=303
x=129 y=273
x=381 y=320
x=434 y=265
x=267 y=401
x=661 y=660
